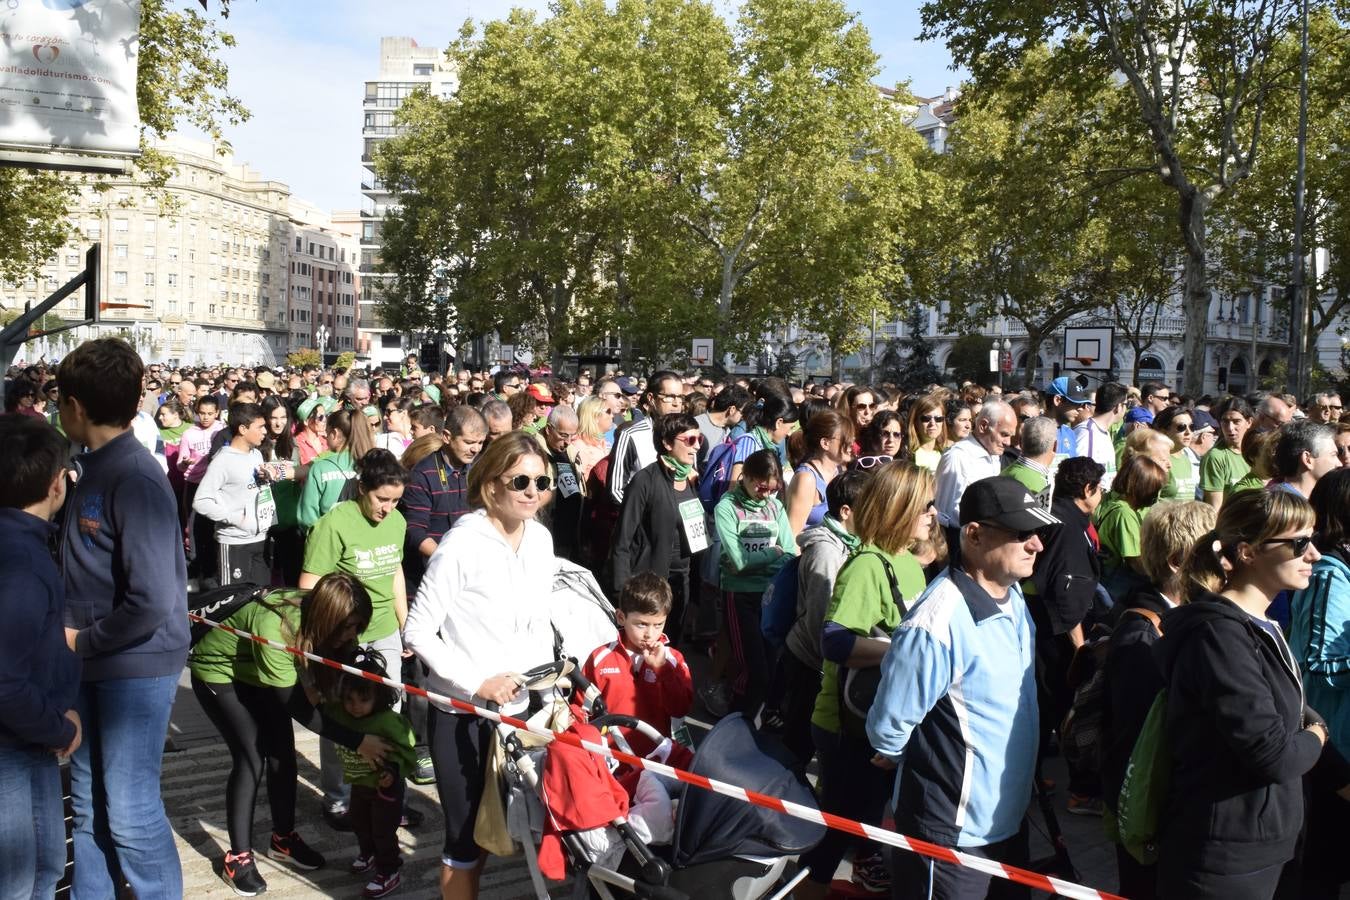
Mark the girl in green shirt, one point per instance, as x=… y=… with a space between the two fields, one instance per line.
x=1223 y=467
x=1118 y=519
x=251 y=693
x=893 y=513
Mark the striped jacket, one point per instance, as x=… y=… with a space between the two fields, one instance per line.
x=1319 y=637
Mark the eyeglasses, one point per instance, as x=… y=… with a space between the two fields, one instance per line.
x=563 y=436
x=1299 y=544
x=864 y=406
x=930 y=420
x=329 y=381
x=690 y=440
x=868 y=462
x=1327 y=406
x=521 y=482
x=892 y=434
x=671 y=398
x=1183 y=427
x=320 y=417
x=609 y=395
x=1020 y=536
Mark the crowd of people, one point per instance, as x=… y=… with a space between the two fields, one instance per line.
x=964 y=582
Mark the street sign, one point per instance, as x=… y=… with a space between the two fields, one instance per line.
x=1007 y=361
x=993 y=360
x=702 y=352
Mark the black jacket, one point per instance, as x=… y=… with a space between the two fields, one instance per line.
x=1132 y=682
x=1234 y=721
x=1066 y=574
x=648 y=536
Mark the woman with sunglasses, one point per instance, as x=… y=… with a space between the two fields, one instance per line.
x=481 y=617
x=661 y=524
x=757 y=540
x=312 y=438
x=894 y=511
x=364 y=538
x=884 y=436
x=927 y=433
x=1182 y=479
x=859 y=403
x=828 y=437
x=1239 y=733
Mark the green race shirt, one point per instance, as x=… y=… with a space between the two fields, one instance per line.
x=1118 y=530
x=862 y=600
x=1249 y=482
x=220 y=657
x=1221 y=469
x=344 y=540
x=386 y=723
x=1182 y=480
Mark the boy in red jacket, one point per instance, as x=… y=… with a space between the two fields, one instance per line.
x=639 y=674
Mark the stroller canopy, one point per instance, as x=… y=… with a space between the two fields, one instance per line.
x=712 y=827
x=583 y=618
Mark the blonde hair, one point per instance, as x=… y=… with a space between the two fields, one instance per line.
x=588 y=419
x=1251 y=517
x=929 y=403
x=421 y=448
x=890 y=503
x=1139 y=439
x=1169 y=531
x=498 y=459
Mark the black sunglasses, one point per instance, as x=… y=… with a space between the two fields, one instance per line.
x=521 y=482
x=1021 y=536
x=1299 y=544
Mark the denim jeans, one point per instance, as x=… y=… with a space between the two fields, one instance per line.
x=32 y=824
x=335 y=791
x=120 y=823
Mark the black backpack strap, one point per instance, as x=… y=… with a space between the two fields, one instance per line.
x=896 y=597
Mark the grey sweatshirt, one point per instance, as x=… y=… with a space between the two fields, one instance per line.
x=823 y=554
x=232 y=496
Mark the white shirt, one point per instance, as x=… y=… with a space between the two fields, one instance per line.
x=965 y=462
x=1094 y=442
x=483 y=608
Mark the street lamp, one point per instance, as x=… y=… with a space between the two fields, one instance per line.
x=321 y=335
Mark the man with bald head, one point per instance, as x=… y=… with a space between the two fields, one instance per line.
x=977 y=455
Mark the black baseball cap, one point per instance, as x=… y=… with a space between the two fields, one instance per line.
x=1005 y=502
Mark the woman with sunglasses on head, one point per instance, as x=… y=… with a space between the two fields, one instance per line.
x=828 y=437
x=661 y=524
x=1182 y=479
x=893 y=512
x=1239 y=733
x=481 y=617
x=364 y=538
x=927 y=433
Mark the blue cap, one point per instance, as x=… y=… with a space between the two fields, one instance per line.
x=1061 y=387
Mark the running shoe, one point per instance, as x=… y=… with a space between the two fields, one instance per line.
x=716 y=699
x=382 y=885
x=1081 y=805
x=423 y=772
x=337 y=817
x=293 y=850
x=361 y=865
x=872 y=874
x=240 y=872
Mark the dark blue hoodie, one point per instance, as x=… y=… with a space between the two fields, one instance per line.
x=39 y=676
x=122 y=558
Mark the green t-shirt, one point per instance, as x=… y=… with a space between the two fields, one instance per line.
x=861 y=601
x=220 y=657
x=328 y=475
x=386 y=723
x=1221 y=469
x=1249 y=482
x=1182 y=480
x=1118 y=530
x=344 y=540
x=1036 y=483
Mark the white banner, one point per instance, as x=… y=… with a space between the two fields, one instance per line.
x=68 y=75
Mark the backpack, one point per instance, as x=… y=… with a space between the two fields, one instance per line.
x=1080 y=733
x=715 y=479
x=219 y=604
x=778 y=611
x=1148 y=779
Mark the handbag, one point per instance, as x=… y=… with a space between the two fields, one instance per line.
x=490 y=830
x=858 y=687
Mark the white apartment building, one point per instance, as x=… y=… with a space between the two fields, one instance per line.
x=322 y=283
x=405 y=67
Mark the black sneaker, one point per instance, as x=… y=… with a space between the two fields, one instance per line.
x=294 y=851
x=338 y=818
x=240 y=872
x=423 y=772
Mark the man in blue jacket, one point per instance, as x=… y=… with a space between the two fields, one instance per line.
x=956 y=709
x=39 y=675
x=126 y=617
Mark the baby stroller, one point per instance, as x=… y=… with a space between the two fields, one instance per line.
x=721 y=848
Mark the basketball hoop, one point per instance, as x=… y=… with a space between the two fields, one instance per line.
x=698 y=360
x=1084 y=360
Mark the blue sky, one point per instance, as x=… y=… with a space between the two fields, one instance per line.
x=300 y=69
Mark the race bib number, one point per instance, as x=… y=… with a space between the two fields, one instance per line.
x=567 y=481
x=695 y=525
x=755 y=537
x=267 y=508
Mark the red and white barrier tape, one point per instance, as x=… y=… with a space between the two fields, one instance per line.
x=1040 y=882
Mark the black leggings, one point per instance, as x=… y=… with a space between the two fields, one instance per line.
x=256 y=726
x=459 y=753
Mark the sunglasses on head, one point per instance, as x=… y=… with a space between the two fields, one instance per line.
x=868 y=462
x=1298 y=544
x=521 y=482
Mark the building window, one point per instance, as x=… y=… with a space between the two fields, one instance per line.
x=120 y=251
x=72 y=260
x=149 y=279
x=172 y=279
x=120 y=225
x=119 y=279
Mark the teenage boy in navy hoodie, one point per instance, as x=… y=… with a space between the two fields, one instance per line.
x=39 y=675
x=126 y=617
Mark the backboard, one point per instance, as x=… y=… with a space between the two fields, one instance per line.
x=1088 y=349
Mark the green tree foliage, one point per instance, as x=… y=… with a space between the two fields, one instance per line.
x=908 y=362
x=1201 y=76
x=969 y=359
x=646 y=159
x=346 y=359
x=305 y=356
x=180 y=81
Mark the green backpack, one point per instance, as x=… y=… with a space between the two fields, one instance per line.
x=1148 y=778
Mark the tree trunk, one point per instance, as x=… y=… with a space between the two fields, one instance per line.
x=1193 y=208
x=1034 y=341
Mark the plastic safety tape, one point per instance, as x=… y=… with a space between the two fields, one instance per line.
x=1040 y=882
